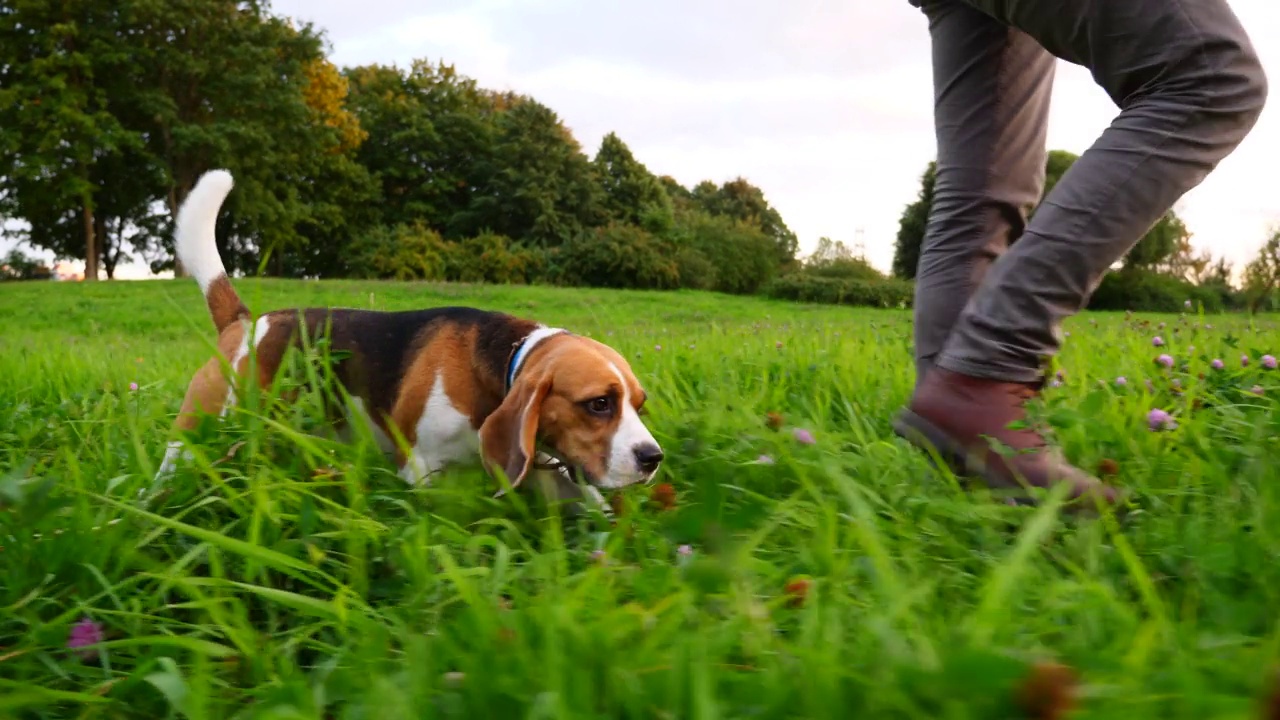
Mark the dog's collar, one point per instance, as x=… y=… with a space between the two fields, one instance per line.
x=521 y=350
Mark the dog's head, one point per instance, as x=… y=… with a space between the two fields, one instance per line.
x=578 y=399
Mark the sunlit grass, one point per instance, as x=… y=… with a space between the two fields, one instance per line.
x=284 y=575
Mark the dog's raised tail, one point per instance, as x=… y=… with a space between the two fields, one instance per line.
x=197 y=247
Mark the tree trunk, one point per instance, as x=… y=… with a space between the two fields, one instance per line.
x=103 y=236
x=90 y=242
x=172 y=201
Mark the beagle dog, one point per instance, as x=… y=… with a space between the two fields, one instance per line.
x=456 y=384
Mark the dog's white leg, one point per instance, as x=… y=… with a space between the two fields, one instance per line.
x=172 y=454
x=558 y=486
x=594 y=498
x=417 y=470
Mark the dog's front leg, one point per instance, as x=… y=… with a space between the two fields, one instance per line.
x=557 y=485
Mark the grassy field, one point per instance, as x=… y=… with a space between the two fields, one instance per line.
x=815 y=568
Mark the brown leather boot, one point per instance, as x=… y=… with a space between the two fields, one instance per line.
x=955 y=415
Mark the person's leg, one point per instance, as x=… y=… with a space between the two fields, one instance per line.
x=1190 y=87
x=992 y=85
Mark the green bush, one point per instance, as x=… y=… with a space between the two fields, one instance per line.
x=884 y=293
x=1134 y=289
x=850 y=268
x=743 y=256
x=617 y=255
x=398 y=252
x=492 y=258
x=695 y=270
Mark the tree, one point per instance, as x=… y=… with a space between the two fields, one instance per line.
x=1262 y=274
x=341 y=198
x=1163 y=247
x=738 y=199
x=431 y=134
x=225 y=85
x=536 y=185
x=1056 y=164
x=829 y=251
x=631 y=194
x=913 y=225
x=681 y=196
x=59 y=63
x=124 y=217
x=1215 y=273
x=834 y=259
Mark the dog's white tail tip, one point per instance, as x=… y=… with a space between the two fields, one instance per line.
x=219 y=181
x=195 y=244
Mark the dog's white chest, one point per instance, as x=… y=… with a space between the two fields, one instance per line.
x=444 y=437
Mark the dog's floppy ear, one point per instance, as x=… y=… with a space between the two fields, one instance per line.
x=508 y=435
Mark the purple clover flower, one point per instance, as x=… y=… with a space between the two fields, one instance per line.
x=1165 y=360
x=83 y=634
x=1217 y=364
x=1158 y=419
x=1269 y=362
x=1157 y=341
x=804 y=437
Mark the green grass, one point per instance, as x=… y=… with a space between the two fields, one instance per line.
x=252 y=586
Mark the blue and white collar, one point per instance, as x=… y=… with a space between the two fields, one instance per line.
x=522 y=351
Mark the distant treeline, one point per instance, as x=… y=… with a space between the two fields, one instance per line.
x=111 y=109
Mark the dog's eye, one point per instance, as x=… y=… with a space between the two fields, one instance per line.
x=602 y=405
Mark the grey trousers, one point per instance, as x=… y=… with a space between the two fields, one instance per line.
x=1189 y=87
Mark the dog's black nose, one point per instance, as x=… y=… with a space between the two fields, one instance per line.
x=648 y=456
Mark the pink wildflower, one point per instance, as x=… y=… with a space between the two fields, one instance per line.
x=83 y=634
x=1158 y=419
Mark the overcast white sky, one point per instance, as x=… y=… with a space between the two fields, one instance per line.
x=825 y=104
